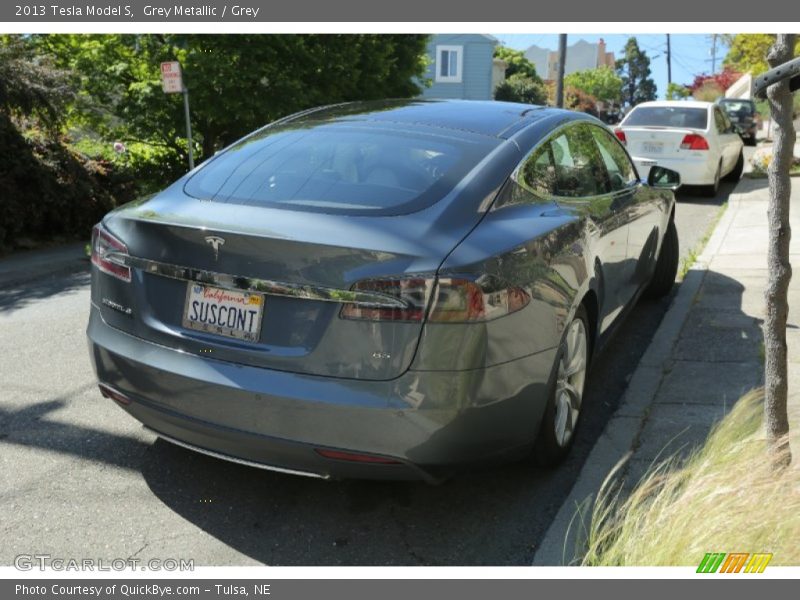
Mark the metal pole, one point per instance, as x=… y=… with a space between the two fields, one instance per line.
x=188 y=127
x=713 y=53
x=562 y=60
x=669 y=62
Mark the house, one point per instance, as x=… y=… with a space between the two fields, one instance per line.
x=581 y=56
x=463 y=66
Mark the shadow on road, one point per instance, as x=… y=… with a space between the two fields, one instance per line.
x=19 y=295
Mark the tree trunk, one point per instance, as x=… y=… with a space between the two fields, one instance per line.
x=780 y=269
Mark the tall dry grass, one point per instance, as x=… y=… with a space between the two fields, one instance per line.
x=726 y=497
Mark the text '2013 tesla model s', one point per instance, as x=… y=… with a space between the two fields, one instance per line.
x=380 y=290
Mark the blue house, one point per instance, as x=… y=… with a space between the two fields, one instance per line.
x=463 y=66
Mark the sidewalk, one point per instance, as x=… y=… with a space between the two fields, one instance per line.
x=32 y=264
x=707 y=352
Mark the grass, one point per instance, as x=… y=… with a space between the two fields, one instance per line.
x=725 y=497
x=793 y=172
x=691 y=256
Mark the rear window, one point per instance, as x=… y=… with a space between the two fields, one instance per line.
x=338 y=167
x=668 y=116
x=738 y=108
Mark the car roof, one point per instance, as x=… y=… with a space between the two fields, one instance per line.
x=677 y=103
x=487 y=118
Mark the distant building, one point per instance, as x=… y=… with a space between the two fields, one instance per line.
x=581 y=56
x=463 y=66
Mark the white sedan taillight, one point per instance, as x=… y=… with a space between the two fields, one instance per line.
x=106 y=253
x=693 y=141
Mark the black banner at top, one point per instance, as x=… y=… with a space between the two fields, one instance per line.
x=264 y=11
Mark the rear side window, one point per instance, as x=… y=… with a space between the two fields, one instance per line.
x=620 y=170
x=339 y=168
x=739 y=108
x=579 y=173
x=668 y=116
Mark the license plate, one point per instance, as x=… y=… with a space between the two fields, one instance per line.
x=223 y=312
x=652 y=147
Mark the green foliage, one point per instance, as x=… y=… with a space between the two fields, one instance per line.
x=676 y=91
x=519 y=88
x=634 y=70
x=50 y=190
x=29 y=84
x=748 y=52
x=602 y=83
x=516 y=63
x=236 y=82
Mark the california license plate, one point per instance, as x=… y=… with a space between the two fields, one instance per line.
x=652 y=147
x=223 y=312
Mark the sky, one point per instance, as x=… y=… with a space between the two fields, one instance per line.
x=691 y=53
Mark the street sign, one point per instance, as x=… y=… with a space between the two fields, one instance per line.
x=171 y=79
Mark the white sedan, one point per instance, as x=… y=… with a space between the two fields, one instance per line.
x=696 y=139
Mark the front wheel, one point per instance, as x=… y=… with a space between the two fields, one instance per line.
x=563 y=410
x=667 y=265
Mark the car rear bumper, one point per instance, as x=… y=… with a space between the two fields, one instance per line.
x=427 y=422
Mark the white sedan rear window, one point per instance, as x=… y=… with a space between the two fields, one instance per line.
x=668 y=116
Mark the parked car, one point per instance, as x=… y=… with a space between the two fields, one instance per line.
x=696 y=139
x=380 y=290
x=743 y=115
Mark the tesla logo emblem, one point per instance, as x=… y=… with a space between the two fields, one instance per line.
x=215 y=242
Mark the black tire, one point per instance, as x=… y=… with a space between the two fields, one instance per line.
x=709 y=191
x=667 y=265
x=736 y=174
x=547 y=451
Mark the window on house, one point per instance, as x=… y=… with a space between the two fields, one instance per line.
x=449 y=63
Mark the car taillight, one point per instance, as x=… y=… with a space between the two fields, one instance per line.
x=455 y=300
x=692 y=141
x=106 y=253
x=621 y=136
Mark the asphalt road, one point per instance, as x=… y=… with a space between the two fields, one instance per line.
x=80 y=478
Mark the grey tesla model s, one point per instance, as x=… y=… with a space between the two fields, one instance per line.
x=380 y=290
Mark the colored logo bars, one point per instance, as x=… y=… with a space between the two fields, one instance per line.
x=734 y=562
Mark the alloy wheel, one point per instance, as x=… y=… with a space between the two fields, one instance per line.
x=570 y=381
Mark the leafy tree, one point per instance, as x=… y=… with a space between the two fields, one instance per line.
x=47 y=189
x=748 y=52
x=519 y=88
x=30 y=85
x=634 y=70
x=676 y=91
x=602 y=83
x=236 y=82
x=714 y=81
x=516 y=63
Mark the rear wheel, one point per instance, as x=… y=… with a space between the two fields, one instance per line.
x=563 y=410
x=666 y=266
x=712 y=190
x=736 y=174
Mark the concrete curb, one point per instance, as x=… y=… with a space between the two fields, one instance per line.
x=562 y=543
x=24 y=267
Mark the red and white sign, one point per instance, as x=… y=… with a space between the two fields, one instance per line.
x=171 y=78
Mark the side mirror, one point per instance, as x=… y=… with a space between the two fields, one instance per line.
x=663 y=178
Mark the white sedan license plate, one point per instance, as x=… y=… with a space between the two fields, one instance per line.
x=652 y=147
x=223 y=312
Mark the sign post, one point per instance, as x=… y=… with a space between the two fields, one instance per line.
x=172 y=83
